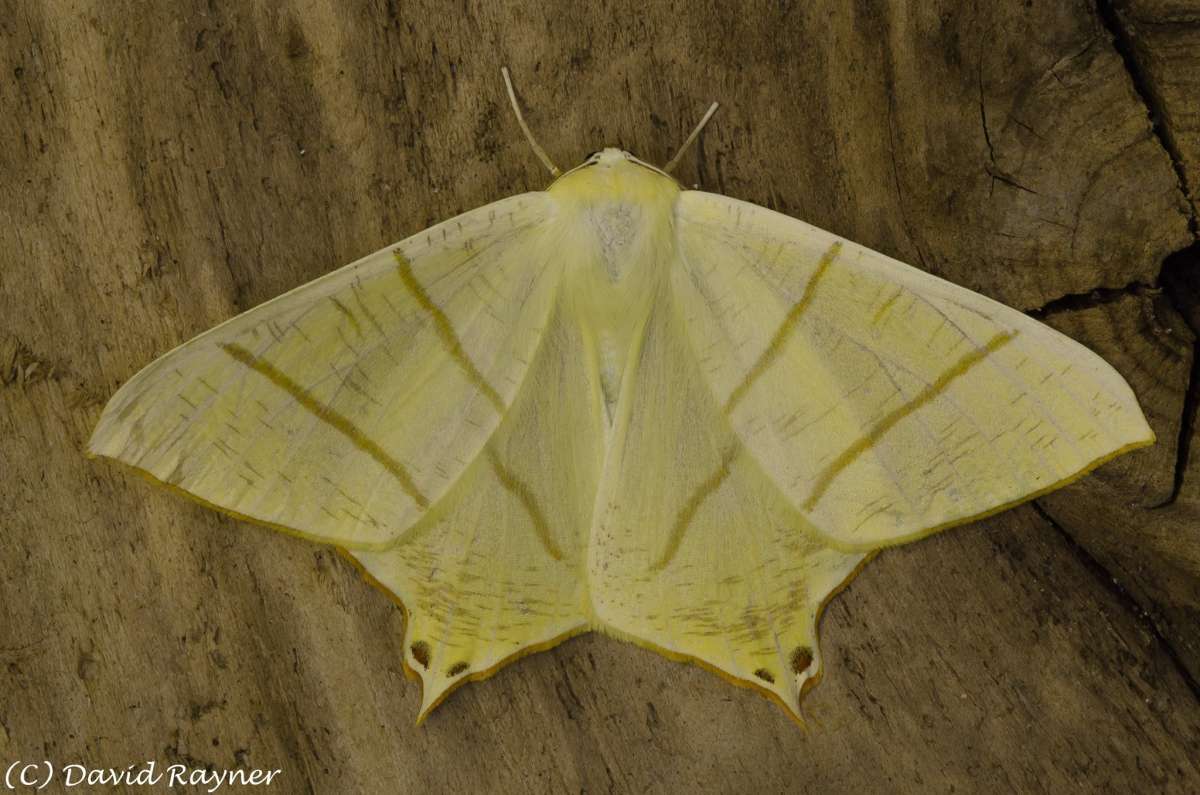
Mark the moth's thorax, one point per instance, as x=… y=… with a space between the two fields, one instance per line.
x=617 y=215
x=616 y=208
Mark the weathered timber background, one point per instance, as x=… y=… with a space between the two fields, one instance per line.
x=164 y=166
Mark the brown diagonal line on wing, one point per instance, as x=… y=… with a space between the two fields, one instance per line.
x=330 y=417
x=867 y=441
x=446 y=333
x=519 y=489
x=775 y=347
x=688 y=512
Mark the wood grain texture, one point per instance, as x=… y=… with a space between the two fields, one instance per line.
x=1162 y=39
x=168 y=166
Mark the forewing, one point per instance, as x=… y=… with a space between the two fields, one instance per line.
x=346 y=408
x=884 y=402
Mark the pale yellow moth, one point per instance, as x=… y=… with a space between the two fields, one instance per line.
x=619 y=405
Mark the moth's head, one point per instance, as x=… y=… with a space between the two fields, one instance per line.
x=614 y=174
x=607 y=157
x=611 y=158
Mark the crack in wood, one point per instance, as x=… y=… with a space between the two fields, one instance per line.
x=1099 y=296
x=1180 y=279
x=1143 y=86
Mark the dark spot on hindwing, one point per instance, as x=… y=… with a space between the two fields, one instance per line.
x=420 y=653
x=802 y=658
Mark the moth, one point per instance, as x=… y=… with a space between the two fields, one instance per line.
x=619 y=405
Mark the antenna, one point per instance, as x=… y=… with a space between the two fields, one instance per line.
x=537 y=150
x=674 y=161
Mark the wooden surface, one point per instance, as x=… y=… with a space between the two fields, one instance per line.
x=166 y=166
x=1161 y=40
